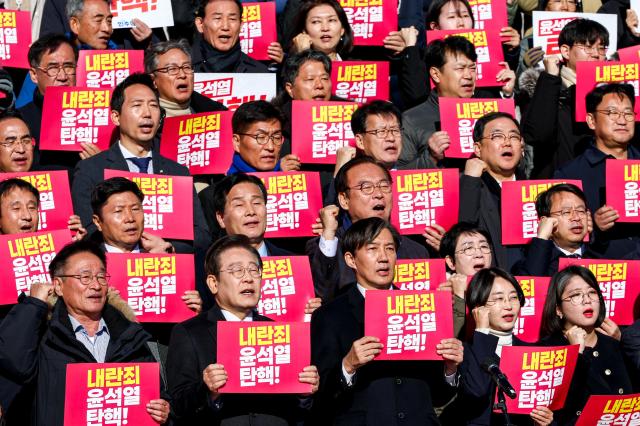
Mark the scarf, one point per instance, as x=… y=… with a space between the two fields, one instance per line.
x=238 y=165
x=504 y=339
x=173 y=109
x=568 y=76
x=217 y=61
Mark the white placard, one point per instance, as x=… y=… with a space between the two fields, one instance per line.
x=154 y=13
x=234 y=89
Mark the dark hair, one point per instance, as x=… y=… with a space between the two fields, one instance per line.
x=46 y=44
x=542 y=5
x=583 y=31
x=293 y=63
x=543 y=201
x=224 y=187
x=117 y=98
x=9 y=185
x=213 y=258
x=435 y=8
x=436 y=53
x=102 y=191
x=345 y=44
x=482 y=283
x=59 y=262
x=340 y=181
x=551 y=322
x=203 y=4
x=595 y=97
x=451 y=237
x=252 y=112
x=364 y=232
x=481 y=123
x=378 y=107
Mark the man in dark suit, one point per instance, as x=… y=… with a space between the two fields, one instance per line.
x=498 y=148
x=364 y=190
x=610 y=114
x=135 y=110
x=195 y=378
x=564 y=222
x=354 y=390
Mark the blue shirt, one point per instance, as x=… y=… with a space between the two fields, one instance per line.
x=96 y=344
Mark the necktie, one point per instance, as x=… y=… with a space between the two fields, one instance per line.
x=574 y=256
x=141 y=163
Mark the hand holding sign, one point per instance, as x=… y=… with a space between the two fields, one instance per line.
x=438 y=143
x=606 y=217
x=362 y=351
x=310 y=375
x=451 y=351
x=541 y=416
x=159 y=410
x=510 y=37
x=214 y=377
x=508 y=77
x=140 y=30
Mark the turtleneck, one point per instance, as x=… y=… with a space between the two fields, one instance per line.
x=505 y=338
x=174 y=109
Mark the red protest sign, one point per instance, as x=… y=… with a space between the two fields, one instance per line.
x=535 y=289
x=540 y=375
x=590 y=74
x=424 y=197
x=488 y=48
x=150 y=285
x=360 y=81
x=15 y=38
x=319 y=128
x=293 y=202
x=107 y=68
x=202 y=142
x=489 y=13
x=371 y=20
x=622 y=410
x=623 y=190
x=518 y=208
x=110 y=393
x=55 y=196
x=74 y=115
x=234 y=89
x=629 y=54
x=406 y=322
x=466 y=112
x=258 y=29
x=419 y=274
x=286 y=288
x=264 y=357
x=168 y=203
x=618 y=280
x=25 y=259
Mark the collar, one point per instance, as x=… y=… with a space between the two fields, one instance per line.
x=113 y=249
x=595 y=156
x=262 y=250
x=128 y=154
x=578 y=251
x=228 y=316
x=239 y=165
x=76 y=326
x=363 y=291
x=174 y=109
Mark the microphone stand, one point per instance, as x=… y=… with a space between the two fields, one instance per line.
x=502 y=406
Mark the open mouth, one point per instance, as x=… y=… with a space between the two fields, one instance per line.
x=379 y=207
x=251 y=224
x=146 y=127
x=183 y=87
x=508 y=317
x=383 y=271
x=588 y=313
x=507 y=154
x=326 y=38
x=320 y=97
x=224 y=38
x=27 y=227
x=248 y=292
x=478 y=266
x=577 y=229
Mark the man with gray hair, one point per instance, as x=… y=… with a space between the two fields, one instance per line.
x=169 y=64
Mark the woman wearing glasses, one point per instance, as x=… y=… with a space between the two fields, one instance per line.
x=494 y=298
x=573 y=312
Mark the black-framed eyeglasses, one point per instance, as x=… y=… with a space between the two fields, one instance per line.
x=175 y=69
x=54 y=70
x=87 y=278
x=12 y=143
x=367 y=188
x=471 y=250
x=239 y=272
x=614 y=114
x=384 y=133
x=578 y=298
x=264 y=138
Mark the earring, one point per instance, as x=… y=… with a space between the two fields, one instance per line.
x=560 y=316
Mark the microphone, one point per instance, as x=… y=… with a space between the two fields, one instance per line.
x=490 y=365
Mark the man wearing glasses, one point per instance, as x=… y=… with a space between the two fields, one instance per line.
x=52 y=59
x=83 y=328
x=498 y=148
x=169 y=64
x=364 y=189
x=234 y=270
x=611 y=117
x=564 y=222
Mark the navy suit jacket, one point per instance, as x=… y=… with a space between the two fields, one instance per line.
x=89 y=172
x=542 y=258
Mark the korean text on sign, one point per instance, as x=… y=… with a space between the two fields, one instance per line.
x=540 y=375
x=610 y=410
x=110 y=394
x=407 y=324
x=623 y=188
x=263 y=357
x=15 y=38
x=489 y=13
x=25 y=259
x=286 y=288
x=258 y=29
x=107 y=68
x=233 y=89
x=527 y=326
x=371 y=20
x=154 y=13
x=419 y=274
x=360 y=81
